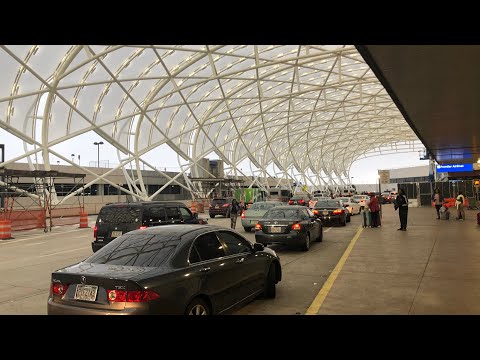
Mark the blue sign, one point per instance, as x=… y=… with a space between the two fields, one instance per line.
x=454 y=167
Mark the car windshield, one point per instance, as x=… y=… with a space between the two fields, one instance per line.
x=328 y=204
x=282 y=214
x=119 y=215
x=136 y=250
x=261 y=206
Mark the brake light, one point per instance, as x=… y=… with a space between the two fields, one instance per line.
x=142 y=227
x=338 y=211
x=315 y=212
x=59 y=288
x=301 y=201
x=296 y=227
x=131 y=296
x=226 y=205
x=243 y=214
x=258 y=227
x=95 y=228
x=290 y=202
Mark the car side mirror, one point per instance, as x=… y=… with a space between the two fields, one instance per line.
x=258 y=247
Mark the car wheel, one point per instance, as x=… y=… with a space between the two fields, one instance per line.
x=344 y=222
x=270 y=290
x=197 y=307
x=212 y=216
x=348 y=218
x=306 y=247
x=247 y=229
x=320 y=237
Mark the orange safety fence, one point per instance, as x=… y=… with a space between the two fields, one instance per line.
x=34 y=219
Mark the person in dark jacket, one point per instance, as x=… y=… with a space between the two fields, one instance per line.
x=234 y=213
x=401 y=203
x=374 y=210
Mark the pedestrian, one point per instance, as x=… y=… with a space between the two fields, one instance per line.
x=374 y=210
x=401 y=203
x=234 y=213
x=437 y=201
x=460 y=210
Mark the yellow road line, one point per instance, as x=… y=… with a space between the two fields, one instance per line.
x=322 y=294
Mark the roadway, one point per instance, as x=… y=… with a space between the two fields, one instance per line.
x=27 y=262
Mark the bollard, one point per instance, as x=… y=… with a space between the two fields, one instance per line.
x=83 y=220
x=5 y=229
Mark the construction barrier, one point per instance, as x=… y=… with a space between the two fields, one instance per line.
x=5 y=229
x=193 y=207
x=200 y=207
x=83 y=220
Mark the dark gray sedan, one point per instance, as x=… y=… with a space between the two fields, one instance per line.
x=290 y=225
x=188 y=269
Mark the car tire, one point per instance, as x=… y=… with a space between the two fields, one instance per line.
x=269 y=290
x=344 y=222
x=348 y=218
x=306 y=246
x=198 y=307
x=212 y=216
x=247 y=229
x=320 y=237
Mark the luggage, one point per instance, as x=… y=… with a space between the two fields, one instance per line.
x=366 y=219
x=478 y=218
x=444 y=213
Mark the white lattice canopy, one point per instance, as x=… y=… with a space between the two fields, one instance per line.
x=307 y=110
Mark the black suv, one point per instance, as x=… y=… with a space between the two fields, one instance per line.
x=220 y=206
x=119 y=218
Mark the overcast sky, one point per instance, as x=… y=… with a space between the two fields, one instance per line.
x=363 y=171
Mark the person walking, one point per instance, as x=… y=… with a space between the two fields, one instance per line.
x=234 y=213
x=374 y=210
x=460 y=209
x=437 y=202
x=401 y=203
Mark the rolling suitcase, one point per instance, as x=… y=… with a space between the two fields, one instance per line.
x=366 y=219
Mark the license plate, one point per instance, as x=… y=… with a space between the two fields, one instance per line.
x=116 y=233
x=276 y=229
x=217 y=207
x=253 y=221
x=325 y=213
x=86 y=292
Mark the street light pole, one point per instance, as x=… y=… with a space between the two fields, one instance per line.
x=98 y=152
x=73 y=157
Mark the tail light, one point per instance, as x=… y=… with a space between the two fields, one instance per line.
x=338 y=211
x=301 y=201
x=59 y=288
x=142 y=227
x=95 y=228
x=131 y=296
x=243 y=214
x=296 y=227
x=290 y=202
x=258 y=227
x=226 y=205
x=315 y=212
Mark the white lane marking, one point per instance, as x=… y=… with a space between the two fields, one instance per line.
x=34 y=237
x=43 y=242
x=328 y=229
x=66 y=251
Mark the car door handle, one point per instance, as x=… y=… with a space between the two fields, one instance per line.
x=205 y=269
x=239 y=261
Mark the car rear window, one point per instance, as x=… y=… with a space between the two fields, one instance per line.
x=136 y=250
x=119 y=215
x=219 y=201
x=297 y=197
x=327 y=203
x=281 y=214
x=261 y=206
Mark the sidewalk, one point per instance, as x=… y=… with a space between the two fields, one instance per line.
x=432 y=268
